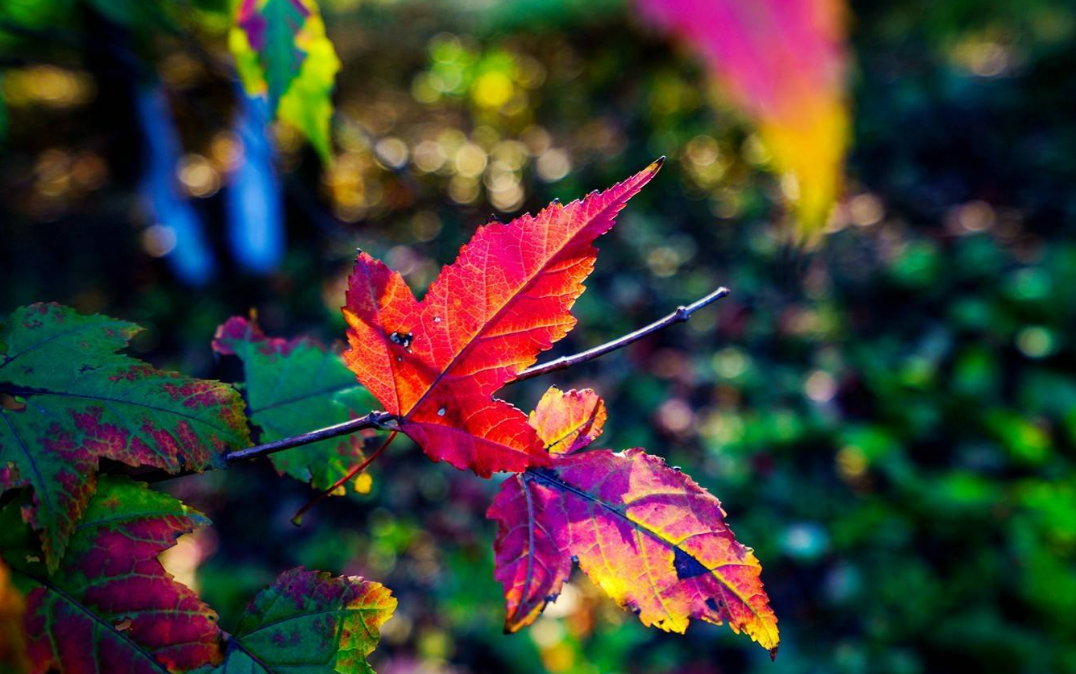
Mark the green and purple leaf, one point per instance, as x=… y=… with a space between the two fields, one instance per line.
x=312 y=623
x=111 y=606
x=282 y=53
x=295 y=386
x=647 y=534
x=68 y=398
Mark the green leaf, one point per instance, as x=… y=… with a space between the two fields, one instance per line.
x=111 y=606
x=68 y=399
x=297 y=386
x=310 y=623
x=282 y=52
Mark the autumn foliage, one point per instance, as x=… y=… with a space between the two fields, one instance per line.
x=645 y=533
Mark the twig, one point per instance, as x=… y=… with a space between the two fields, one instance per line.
x=386 y=421
x=379 y=420
x=681 y=315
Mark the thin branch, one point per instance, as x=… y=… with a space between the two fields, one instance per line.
x=681 y=315
x=386 y=421
x=380 y=420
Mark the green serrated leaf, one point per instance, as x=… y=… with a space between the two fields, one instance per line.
x=311 y=623
x=294 y=387
x=71 y=399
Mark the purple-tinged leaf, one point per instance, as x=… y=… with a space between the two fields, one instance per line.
x=111 y=606
x=312 y=623
x=74 y=400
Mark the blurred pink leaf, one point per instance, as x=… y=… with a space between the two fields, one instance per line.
x=783 y=62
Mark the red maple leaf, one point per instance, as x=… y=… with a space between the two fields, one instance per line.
x=506 y=298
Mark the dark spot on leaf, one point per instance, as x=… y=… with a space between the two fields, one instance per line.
x=686 y=566
x=545 y=472
x=712 y=605
x=404 y=339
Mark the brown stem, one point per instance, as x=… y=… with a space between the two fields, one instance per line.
x=681 y=315
x=381 y=420
x=386 y=421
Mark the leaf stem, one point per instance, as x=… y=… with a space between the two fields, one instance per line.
x=297 y=519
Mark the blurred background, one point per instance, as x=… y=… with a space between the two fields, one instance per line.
x=888 y=413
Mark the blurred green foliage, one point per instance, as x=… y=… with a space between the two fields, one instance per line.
x=890 y=421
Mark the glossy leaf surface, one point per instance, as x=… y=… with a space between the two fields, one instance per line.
x=296 y=386
x=311 y=623
x=71 y=399
x=111 y=606
x=506 y=298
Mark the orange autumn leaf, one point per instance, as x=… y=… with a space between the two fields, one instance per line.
x=507 y=297
x=645 y=533
x=568 y=421
x=784 y=63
